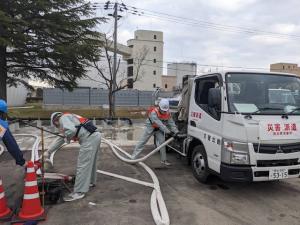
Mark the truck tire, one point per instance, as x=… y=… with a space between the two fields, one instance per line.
x=199 y=164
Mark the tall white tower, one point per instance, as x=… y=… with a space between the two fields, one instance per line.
x=150 y=74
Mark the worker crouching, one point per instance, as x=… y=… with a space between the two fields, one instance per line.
x=158 y=123
x=77 y=128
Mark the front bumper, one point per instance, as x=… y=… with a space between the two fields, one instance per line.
x=253 y=173
x=262 y=173
x=236 y=173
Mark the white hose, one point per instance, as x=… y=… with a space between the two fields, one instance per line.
x=158 y=207
x=147 y=184
x=35 y=146
x=132 y=161
x=157 y=203
x=1 y=149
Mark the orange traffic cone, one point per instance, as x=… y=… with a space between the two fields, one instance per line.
x=4 y=210
x=31 y=207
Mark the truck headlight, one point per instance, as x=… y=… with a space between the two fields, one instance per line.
x=235 y=152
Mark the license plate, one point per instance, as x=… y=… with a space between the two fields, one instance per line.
x=276 y=174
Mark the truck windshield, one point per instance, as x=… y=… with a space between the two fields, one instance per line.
x=263 y=93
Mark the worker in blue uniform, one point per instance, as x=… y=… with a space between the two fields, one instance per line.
x=7 y=138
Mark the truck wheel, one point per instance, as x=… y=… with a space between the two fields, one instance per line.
x=199 y=164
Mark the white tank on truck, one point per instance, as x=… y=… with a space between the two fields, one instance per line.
x=241 y=126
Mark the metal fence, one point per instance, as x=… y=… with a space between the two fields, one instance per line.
x=99 y=97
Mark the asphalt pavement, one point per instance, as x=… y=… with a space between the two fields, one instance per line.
x=117 y=202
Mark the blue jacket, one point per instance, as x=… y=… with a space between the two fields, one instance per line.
x=10 y=143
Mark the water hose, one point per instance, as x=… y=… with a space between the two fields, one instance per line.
x=158 y=207
x=157 y=203
x=128 y=159
x=1 y=149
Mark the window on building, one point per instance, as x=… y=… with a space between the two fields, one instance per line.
x=155 y=36
x=130 y=71
x=154 y=85
x=166 y=86
x=154 y=49
x=154 y=60
x=130 y=46
x=130 y=61
x=282 y=67
x=136 y=37
x=154 y=72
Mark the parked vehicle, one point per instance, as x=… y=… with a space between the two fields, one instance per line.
x=241 y=126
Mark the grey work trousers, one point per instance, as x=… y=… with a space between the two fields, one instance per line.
x=86 y=172
x=160 y=138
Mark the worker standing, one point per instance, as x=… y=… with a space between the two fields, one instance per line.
x=158 y=123
x=77 y=128
x=7 y=137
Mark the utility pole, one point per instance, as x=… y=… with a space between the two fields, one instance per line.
x=115 y=15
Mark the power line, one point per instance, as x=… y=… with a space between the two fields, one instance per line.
x=200 y=65
x=202 y=23
x=213 y=25
x=187 y=21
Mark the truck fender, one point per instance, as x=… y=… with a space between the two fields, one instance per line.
x=190 y=147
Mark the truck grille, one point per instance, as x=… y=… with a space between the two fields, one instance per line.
x=275 y=148
x=274 y=163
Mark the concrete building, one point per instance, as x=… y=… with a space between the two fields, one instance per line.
x=152 y=67
x=168 y=83
x=181 y=69
x=285 y=68
x=147 y=44
x=94 y=80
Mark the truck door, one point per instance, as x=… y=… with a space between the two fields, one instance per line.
x=205 y=119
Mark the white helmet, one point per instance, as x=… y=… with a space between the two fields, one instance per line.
x=54 y=116
x=164 y=105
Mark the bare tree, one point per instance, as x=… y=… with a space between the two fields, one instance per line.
x=106 y=73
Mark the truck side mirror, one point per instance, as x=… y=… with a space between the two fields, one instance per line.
x=214 y=98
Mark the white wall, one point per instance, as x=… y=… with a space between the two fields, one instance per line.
x=94 y=80
x=142 y=39
x=146 y=39
x=16 y=96
x=181 y=69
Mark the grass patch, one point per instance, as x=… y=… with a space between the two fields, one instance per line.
x=37 y=111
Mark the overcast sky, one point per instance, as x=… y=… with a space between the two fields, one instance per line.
x=214 y=47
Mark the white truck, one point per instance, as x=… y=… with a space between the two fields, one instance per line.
x=241 y=126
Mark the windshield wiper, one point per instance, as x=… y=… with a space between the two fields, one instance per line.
x=265 y=108
x=294 y=110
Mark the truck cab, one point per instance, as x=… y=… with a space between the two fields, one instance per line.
x=241 y=126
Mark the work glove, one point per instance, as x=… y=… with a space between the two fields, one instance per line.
x=174 y=135
x=180 y=135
